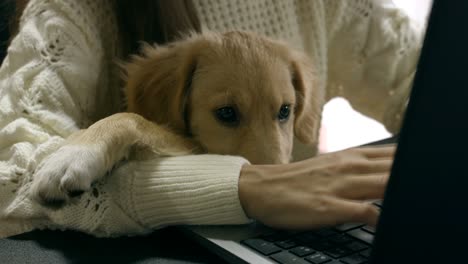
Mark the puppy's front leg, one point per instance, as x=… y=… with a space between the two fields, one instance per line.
x=88 y=154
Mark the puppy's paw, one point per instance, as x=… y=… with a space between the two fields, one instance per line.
x=67 y=173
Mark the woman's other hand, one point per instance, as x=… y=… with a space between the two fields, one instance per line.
x=326 y=190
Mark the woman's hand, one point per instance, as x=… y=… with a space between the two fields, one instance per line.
x=326 y=190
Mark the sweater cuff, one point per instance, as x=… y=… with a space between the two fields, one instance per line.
x=189 y=190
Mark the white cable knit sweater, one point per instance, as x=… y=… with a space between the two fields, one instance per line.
x=59 y=76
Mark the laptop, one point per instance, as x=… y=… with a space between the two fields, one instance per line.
x=424 y=215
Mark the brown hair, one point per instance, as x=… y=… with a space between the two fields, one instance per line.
x=152 y=21
x=14 y=18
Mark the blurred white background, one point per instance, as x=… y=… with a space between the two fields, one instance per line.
x=342 y=127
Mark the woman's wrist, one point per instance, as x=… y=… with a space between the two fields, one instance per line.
x=251 y=192
x=245 y=178
x=260 y=186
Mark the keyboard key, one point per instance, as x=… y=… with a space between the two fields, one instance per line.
x=262 y=246
x=361 y=235
x=369 y=229
x=356 y=246
x=366 y=253
x=307 y=238
x=302 y=251
x=321 y=245
x=340 y=239
x=325 y=232
x=318 y=258
x=278 y=236
x=354 y=259
x=286 y=244
x=285 y=257
x=347 y=226
x=337 y=252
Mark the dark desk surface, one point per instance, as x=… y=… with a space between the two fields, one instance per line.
x=167 y=246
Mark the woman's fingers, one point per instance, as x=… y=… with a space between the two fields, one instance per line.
x=362 y=188
x=363 y=166
x=360 y=160
x=327 y=190
x=355 y=212
x=377 y=152
x=381 y=165
x=325 y=211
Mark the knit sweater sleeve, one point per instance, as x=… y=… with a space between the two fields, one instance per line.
x=373 y=52
x=55 y=81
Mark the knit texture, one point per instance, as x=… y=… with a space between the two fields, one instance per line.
x=204 y=188
x=59 y=76
x=365 y=51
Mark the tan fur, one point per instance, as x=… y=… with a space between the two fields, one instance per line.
x=173 y=92
x=204 y=72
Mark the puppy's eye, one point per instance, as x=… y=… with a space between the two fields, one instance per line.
x=284 y=112
x=227 y=115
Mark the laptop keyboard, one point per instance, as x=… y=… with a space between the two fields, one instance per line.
x=344 y=244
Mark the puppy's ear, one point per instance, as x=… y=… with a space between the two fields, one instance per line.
x=309 y=98
x=158 y=83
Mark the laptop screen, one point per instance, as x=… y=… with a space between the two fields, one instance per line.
x=425 y=210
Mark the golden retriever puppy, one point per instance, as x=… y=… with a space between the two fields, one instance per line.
x=235 y=93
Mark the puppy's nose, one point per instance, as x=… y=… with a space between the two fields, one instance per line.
x=263 y=147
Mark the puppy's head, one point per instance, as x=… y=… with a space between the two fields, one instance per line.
x=235 y=93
